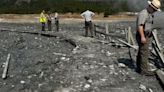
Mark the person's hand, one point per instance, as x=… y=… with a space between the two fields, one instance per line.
x=143 y=40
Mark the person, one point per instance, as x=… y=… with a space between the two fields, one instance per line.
x=87 y=15
x=57 y=21
x=42 y=20
x=49 y=21
x=143 y=34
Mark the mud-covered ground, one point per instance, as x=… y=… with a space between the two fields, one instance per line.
x=69 y=62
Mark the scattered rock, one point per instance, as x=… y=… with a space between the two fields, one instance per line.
x=41 y=74
x=12 y=86
x=108 y=53
x=121 y=65
x=103 y=80
x=87 y=86
x=63 y=58
x=111 y=67
x=142 y=87
x=22 y=82
x=60 y=54
x=29 y=77
x=90 y=55
x=4 y=83
x=150 y=90
x=36 y=38
x=90 y=81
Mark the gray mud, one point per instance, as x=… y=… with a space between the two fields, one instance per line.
x=53 y=64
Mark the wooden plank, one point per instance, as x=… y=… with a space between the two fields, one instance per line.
x=4 y=74
x=131 y=37
x=160 y=75
x=126 y=33
x=110 y=34
x=132 y=46
x=106 y=31
x=160 y=54
x=154 y=32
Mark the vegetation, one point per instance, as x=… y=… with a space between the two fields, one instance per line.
x=75 y=6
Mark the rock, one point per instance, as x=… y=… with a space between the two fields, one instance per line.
x=90 y=81
x=36 y=38
x=63 y=90
x=102 y=51
x=29 y=77
x=75 y=48
x=121 y=65
x=142 y=87
x=12 y=86
x=103 y=80
x=40 y=46
x=22 y=82
x=111 y=67
x=3 y=65
x=67 y=59
x=60 y=54
x=39 y=85
x=41 y=74
x=90 y=55
x=108 y=53
x=150 y=90
x=4 y=83
x=63 y=58
x=87 y=86
x=92 y=66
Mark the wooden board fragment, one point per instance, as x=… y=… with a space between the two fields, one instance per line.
x=160 y=75
x=4 y=75
x=132 y=46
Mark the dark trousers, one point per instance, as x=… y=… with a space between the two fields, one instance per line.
x=57 y=25
x=43 y=26
x=88 y=27
x=143 y=55
x=49 y=25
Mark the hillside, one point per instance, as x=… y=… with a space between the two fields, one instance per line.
x=74 y=6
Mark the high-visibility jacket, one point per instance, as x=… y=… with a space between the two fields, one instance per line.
x=42 y=18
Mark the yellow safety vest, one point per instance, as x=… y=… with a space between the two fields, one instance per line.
x=42 y=18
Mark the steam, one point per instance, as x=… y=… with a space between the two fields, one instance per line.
x=137 y=5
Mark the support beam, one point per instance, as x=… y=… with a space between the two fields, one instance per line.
x=130 y=37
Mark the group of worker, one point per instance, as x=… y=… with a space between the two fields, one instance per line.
x=47 y=18
x=143 y=34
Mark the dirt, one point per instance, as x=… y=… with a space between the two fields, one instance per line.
x=64 y=18
x=68 y=62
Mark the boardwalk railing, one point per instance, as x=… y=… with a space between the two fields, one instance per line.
x=126 y=34
x=99 y=30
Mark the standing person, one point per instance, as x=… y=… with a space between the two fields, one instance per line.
x=49 y=21
x=143 y=34
x=87 y=15
x=42 y=20
x=56 y=21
